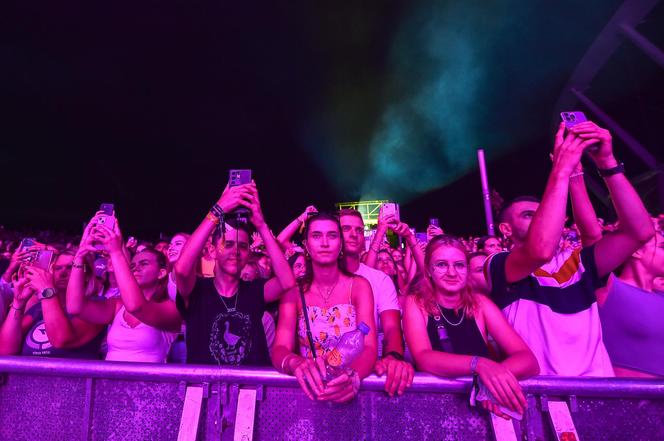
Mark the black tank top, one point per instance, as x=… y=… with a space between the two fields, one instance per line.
x=227 y=331
x=463 y=339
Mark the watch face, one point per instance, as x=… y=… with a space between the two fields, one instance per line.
x=47 y=293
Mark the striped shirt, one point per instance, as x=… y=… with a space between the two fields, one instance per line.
x=555 y=311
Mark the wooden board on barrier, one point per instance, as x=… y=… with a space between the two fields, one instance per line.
x=561 y=421
x=191 y=413
x=246 y=412
x=503 y=429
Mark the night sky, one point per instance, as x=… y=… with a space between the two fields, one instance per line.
x=149 y=105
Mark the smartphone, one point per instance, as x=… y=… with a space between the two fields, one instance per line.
x=434 y=221
x=573 y=118
x=107 y=209
x=27 y=243
x=43 y=259
x=421 y=237
x=106 y=219
x=235 y=178
x=390 y=208
x=239 y=177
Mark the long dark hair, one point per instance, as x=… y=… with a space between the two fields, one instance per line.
x=162 y=262
x=308 y=278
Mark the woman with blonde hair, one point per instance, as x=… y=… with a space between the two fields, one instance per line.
x=447 y=327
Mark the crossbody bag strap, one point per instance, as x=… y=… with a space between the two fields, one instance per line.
x=310 y=337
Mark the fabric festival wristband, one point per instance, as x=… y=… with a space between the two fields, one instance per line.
x=212 y=218
x=217 y=211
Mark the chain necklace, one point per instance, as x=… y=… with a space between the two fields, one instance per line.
x=463 y=315
x=328 y=293
x=236 y=294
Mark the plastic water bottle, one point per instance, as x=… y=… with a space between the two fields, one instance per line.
x=348 y=348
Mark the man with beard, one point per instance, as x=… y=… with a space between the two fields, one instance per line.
x=548 y=293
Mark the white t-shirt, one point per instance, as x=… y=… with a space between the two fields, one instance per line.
x=384 y=292
x=555 y=312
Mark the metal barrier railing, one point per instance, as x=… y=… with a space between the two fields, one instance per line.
x=281 y=409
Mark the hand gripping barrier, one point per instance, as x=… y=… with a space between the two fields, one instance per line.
x=61 y=399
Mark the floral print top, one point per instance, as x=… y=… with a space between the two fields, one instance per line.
x=327 y=327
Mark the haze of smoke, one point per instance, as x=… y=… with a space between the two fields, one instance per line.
x=426 y=138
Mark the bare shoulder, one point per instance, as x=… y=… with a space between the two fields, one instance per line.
x=359 y=282
x=484 y=304
x=412 y=305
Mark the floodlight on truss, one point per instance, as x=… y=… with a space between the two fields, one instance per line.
x=368 y=209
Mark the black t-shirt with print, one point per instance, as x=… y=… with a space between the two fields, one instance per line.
x=217 y=335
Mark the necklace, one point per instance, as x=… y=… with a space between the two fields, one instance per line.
x=328 y=293
x=236 y=294
x=463 y=315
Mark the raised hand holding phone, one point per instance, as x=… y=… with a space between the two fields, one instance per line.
x=602 y=151
x=232 y=196
x=253 y=204
x=307 y=212
x=110 y=239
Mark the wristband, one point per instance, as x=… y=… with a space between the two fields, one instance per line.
x=395 y=355
x=217 y=211
x=78 y=266
x=212 y=218
x=473 y=364
x=606 y=172
x=18 y=309
x=576 y=174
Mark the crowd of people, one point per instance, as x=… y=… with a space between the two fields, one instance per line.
x=549 y=295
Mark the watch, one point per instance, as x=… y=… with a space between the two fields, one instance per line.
x=46 y=294
x=606 y=172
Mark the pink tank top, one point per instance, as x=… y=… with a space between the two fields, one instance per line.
x=141 y=344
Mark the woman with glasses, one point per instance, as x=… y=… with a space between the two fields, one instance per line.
x=335 y=302
x=447 y=327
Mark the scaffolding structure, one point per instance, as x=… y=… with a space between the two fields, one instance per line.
x=368 y=209
x=621 y=27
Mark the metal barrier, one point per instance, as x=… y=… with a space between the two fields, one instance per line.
x=61 y=399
